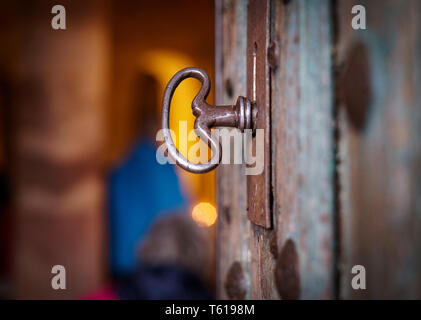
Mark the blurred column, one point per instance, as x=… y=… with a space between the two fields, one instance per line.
x=58 y=143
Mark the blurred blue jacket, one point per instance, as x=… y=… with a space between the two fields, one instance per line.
x=140 y=190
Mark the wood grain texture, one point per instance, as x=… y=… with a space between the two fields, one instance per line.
x=302 y=142
x=379 y=148
x=233 y=229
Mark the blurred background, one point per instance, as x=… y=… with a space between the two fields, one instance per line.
x=79 y=182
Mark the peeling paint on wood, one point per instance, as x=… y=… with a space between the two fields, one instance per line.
x=303 y=157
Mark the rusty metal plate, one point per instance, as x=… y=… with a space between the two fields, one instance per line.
x=258 y=90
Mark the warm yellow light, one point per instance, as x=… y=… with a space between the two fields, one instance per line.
x=163 y=64
x=204 y=214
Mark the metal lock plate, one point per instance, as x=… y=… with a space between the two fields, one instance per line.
x=258 y=90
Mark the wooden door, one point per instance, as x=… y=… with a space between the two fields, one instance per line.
x=344 y=153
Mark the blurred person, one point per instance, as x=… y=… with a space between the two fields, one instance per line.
x=173 y=264
x=139 y=188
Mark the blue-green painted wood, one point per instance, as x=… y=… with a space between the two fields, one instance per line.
x=303 y=142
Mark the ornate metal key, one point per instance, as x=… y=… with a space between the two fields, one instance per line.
x=242 y=115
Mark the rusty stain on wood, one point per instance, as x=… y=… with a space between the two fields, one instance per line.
x=286 y=272
x=235 y=283
x=273 y=55
x=355 y=85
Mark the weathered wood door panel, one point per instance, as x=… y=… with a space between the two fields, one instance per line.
x=302 y=157
x=345 y=153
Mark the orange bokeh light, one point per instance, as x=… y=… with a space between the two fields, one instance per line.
x=204 y=214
